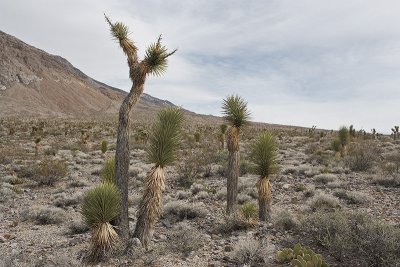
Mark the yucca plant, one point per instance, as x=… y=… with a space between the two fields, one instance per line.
x=164 y=142
x=155 y=63
x=107 y=173
x=100 y=205
x=344 y=137
x=264 y=156
x=104 y=146
x=236 y=114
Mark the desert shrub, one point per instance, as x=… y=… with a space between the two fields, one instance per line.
x=77 y=227
x=196 y=188
x=6 y=192
x=50 y=171
x=243 y=198
x=186 y=238
x=107 y=173
x=189 y=169
x=324 y=178
x=182 y=195
x=181 y=210
x=202 y=195
x=249 y=211
x=50 y=215
x=284 y=220
x=244 y=167
x=221 y=194
x=50 y=151
x=387 y=181
x=250 y=252
x=336 y=145
x=62 y=200
x=104 y=146
x=309 y=191
x=324 y=201
x=352 y=197
x=361 y=156
x=355 y=238
x=233 y=223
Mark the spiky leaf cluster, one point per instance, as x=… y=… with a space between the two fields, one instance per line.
x=155 y=59
x=164 y=139
x=223 y=128
x=100 y=204
x=264 y=155
x=119 y=31
x=235 y=111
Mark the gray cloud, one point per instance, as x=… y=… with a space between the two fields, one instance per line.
x=296 y=62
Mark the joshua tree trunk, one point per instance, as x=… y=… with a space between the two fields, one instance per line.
x=122 y=158
x=149 y=209
x=264 y=199
x=233 y=170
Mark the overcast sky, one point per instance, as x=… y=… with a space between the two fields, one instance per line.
x=299 y=62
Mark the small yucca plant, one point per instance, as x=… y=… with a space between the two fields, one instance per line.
x=107 y=173
x=249 y=211
x=164 y=142
x=237 y=115
x=344 y=137
x=104 y=146
x=100 y=205
x=264 y=156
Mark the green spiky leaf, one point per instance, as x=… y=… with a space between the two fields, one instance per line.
x=165 y=137
x=235 y=111
x=100 y=204
x=264 y=155
x=107 y=173
x=155 y=59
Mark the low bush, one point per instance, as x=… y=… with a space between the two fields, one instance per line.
x=186 y=239
x=50 y=215
x=50 y=171
x=362 y=156
x=324 y=201
x=354 y=238
x=181 y=210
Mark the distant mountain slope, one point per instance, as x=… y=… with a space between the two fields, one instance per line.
x=35 y=83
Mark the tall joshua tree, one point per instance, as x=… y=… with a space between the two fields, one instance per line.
x=236 y=114
x=162 y=151
x=264 y=155
x=154 y=62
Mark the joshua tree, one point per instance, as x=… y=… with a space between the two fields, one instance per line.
x=395 y=131
x=164 y=142
x=100 y=205
x=264 y=155
x=344 y=137
x=154 y=62
x=223 y=128
x=352 y=131
x=236 y=114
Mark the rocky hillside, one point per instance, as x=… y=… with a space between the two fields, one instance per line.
x=35 y=83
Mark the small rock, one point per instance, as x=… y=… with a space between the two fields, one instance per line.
x=286 y=186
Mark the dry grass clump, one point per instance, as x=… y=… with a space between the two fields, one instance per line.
x=353 y=238
x=352 y=197
x=50 y=215
x=181 y=210
x=250 y=252
x=50 y=171
x=387 y=181
x=325 y=178
x=185 y=238
x=62 y=200
x=324 y=201
x=233 y=223
x=77 y=227
x=284 y=220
